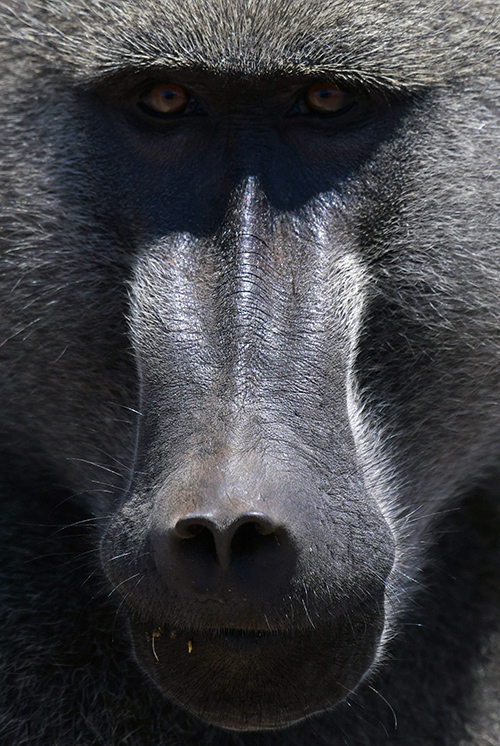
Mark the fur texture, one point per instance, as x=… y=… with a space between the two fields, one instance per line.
x=250 y=374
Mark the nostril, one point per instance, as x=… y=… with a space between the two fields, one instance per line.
x=197 y=538
x=204 y=552
x=262 y=524
x=253 y=536
x=221 y=539
x=188 y=528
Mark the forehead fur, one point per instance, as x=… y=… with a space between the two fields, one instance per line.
x=394 y=44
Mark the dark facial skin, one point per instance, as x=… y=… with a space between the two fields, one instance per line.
x=250 y=532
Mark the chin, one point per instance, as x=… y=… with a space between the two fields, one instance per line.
x=250 y=679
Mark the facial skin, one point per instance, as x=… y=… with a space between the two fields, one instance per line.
x=248 y=494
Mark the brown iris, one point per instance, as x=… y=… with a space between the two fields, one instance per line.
x=165 y=98
x=325 y=98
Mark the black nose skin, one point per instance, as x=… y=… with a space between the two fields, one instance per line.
x=245 y=534
x=208 y=554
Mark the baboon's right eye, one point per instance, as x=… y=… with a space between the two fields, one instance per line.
x=165 y=99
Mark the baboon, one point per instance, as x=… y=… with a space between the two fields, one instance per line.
x=250 y=388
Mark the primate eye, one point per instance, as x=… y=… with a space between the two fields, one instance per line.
x=325 y=98
x=165 y=98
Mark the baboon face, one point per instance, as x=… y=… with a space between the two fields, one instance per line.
x=257 y=557
x=242 y=290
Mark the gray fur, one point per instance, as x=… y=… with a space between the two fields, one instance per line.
x=316 y=325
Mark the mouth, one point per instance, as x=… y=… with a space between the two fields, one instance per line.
x=236 y=634
x=225 y=637
x=256 y=679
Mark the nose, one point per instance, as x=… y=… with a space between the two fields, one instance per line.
x=220 y=541
x=207 y=553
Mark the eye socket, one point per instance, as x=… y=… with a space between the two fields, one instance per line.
x=326 y=98
x=164 y=99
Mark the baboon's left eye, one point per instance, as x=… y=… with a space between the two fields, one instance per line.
x=326 y=98
x=164 y=99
